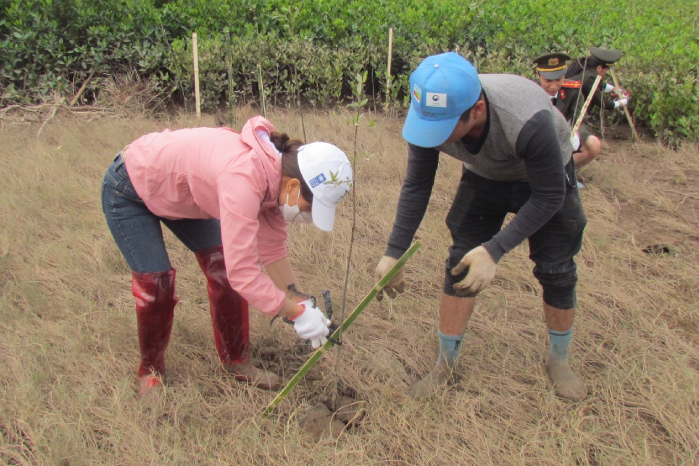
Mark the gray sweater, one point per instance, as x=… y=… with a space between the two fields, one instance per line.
x=525 y=140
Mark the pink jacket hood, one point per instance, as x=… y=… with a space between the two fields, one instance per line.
x=253 y=134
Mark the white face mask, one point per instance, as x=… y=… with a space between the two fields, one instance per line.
x=294 y=214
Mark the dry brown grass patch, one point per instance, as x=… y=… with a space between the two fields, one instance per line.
x=69 y=351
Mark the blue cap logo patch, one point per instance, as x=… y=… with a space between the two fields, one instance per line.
x=435 y=99
x=317 y=181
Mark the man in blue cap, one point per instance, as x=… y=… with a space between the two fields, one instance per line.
x=517 y=158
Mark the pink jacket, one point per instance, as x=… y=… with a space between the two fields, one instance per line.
x=216 y=172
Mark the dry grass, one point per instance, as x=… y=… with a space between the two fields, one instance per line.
x=68 y=350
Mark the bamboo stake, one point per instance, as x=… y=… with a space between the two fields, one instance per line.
x=626 y=110
x=350 y=319
x=388 y=74
x=229 y=60
x=195 y=53
x=262 y=90
x=585 y=106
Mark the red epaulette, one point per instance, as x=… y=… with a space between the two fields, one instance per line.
x=572 y=84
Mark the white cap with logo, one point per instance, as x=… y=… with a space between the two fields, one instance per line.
x=328 y=173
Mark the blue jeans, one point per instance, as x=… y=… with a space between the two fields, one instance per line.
x=137 y=230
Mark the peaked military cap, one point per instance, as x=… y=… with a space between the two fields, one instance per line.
x=607 y=57
x=552 y=65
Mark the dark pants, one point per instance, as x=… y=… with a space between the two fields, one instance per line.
x=478 y=212
x=137 y=230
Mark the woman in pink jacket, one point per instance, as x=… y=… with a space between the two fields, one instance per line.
x=228 y=198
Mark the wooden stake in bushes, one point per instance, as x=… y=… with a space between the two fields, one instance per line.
x=195 y=53
x=262 y=90
x=626 y=110
x=388 y=71
x=345 y=324
x=229 y=62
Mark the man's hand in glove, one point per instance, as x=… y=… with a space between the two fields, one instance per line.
x=312 y=324
x=481 y=271
x=397 y=283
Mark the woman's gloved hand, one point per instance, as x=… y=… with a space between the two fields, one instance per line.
x=312 y=324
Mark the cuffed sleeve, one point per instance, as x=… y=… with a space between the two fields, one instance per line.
x=599 y=97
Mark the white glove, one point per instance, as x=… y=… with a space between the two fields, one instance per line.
x=481 y=272
x=576 y=141
x=621 y=103
x=312 y=324
x=609 y=88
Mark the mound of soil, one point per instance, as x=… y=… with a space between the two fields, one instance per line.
x=324 y=419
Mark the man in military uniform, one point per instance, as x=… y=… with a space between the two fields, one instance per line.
x=517 y=157
x=550 y=69
x=580 y=76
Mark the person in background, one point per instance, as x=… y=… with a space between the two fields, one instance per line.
x=228 y=197
x=517 y=158
x=580 y=76
x=551 y=69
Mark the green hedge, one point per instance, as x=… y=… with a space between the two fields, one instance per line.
x=316 y=47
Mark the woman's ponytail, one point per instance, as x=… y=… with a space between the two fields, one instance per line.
x=290 y=161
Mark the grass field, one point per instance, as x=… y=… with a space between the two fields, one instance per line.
x=68 y=346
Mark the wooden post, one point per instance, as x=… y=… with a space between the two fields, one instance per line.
x=626 y=110
x=229 y=62
x=298 y=100
x=388 y=72
x=585 y=106
x=262 y=90
x=195 y=53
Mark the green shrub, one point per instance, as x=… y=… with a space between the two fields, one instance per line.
x=49 y=47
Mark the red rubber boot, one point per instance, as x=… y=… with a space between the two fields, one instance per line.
x=229 y=315
x=155 y=310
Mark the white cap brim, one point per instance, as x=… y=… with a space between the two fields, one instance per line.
x=323 y=216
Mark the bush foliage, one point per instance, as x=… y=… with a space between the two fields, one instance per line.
x=49 y=47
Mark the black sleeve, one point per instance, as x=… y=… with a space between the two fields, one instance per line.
x=414 y=197
x=537 y=143
x=598 y=98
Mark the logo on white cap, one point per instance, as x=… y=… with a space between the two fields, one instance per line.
x=318 y=180
x=328 y=173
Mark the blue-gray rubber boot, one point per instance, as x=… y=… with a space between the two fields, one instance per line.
x=565 y=382
x=449 y=348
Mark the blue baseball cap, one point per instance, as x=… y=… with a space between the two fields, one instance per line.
x=441 y=89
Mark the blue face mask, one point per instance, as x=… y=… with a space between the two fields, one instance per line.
x=294 y=214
